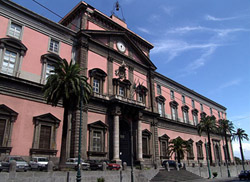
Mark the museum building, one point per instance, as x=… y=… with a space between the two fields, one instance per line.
x=133 y=107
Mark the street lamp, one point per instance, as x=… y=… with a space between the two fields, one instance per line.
x=208 y=165
x=78 y=176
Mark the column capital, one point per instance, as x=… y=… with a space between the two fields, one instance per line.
x=116 y=111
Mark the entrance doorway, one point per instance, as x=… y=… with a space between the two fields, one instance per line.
x=125 y=142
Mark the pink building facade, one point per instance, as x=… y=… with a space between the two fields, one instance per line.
x=133 y=108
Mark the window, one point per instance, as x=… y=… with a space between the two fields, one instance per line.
x=97 y=135
x=190 y=153
x=45 y=131
x=195 y=116
x=54 y=46
x=49 y=61
x=174 y=108
x=7 y=120
x=121 y=91
x=183 y=99
x=146 y=135
x=201 y=107
x=11 y=56
x=158 y=89
x=97 y=79
x=211 y=111
x=97 y=141
x=141 y=93
x=199 y=150
x=193 y=104
x=164 y=146
x=96 y=85
x=185 y=113
x=161 y=105
x=15 y=30
x=9 y=62
x=171 y=94
x=219 y=114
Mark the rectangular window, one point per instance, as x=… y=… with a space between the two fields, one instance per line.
x=54 y=46
x=2 y=128
x=185 y=116
x=121 y=91
x=97 y=141
x=193 y=104
x=199 y=151
x=174 y=113
x=219 y=114
x=140 y=97
x=15 y=31
x=172 y=94
x=158 y=89
x=183 y=99
x=164 y=149
x=195 y=118
x=49 y=68
x=96 y=85
x=211 y=111
x=144 y=145
x=9 y=62
x=160 y=109
x=201 y=107
x=45 y=133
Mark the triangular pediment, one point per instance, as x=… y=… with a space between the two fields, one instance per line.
x=98 y=124
x=6 y=111
x=110 y=39
x=47 y=118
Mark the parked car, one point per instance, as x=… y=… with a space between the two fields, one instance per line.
x=172 y=164
x=21 y=164
x=39 y=163
x=74 y=161
x=96 y=164
x=113 y=166
x=244 y=175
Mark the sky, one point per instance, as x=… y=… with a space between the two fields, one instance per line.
x=203 y=45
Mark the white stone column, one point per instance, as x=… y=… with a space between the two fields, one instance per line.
x=139 y=141
x=116 y=138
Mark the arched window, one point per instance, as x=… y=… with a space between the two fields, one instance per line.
x=11 y=56
x=48 y=60
x=97 y=79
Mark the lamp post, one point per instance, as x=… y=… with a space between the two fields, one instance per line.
x=131 y=137
x=78 y=176
x=208 y=165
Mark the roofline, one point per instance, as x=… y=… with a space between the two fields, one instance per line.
x=82 y=3
x=37 y=16
x=189 y=90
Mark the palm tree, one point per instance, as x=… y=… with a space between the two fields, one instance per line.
x=66 y=84
x=226 y=128
x=241 y=135
x=178 y=146
x=207 y=125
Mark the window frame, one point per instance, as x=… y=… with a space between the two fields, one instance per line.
x=172 y=95
x=146 y=135
x=190 y=154
x=174 y=110
x=195 y=116
x=185 y=114
x=9 y=27
x=141 y=91
x=183 y=99
x=98 y=74
x=158 y=87
x=193 y=103
x=164 y=139
x=59 y=45
x=161 y=102
x=200 y=155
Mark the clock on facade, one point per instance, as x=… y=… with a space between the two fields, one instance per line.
x=120 y=46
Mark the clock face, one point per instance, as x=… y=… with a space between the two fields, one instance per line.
x=120 y=46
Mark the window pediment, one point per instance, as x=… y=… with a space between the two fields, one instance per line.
x=174 y=104
x=47 y=118
x=195 y=111
x=6 y=111
x=96 y=72
x=141 y=89
x=146 y=132
x=164 y=137
x=199 y=142
x=125 y=82
x=185 y=108
x=98 y=125
x=51 y=57
x=13 y=43
x=160 y=98
x=190 y=141
x=203 y=115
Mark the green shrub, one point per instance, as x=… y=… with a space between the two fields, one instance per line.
x=100 y=180
x=215 y=174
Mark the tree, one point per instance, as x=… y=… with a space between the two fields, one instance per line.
x=226 y=128
x=66 y=84
x=241 y=135
x=207 y=125
x=179 y=147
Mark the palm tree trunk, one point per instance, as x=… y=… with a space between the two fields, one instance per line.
x=178 y=157
x=64 y=137
x=242 y=155
x=227 y=148
x=209 y=148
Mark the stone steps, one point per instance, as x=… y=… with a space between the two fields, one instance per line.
x=175 y=176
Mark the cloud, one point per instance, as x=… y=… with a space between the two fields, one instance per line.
x=219 y=32
x=175 y=47
x=225 y=85
x=246 y=149
x=212 y=18
x=168 y=9
x=144 y=30
x=153 y=18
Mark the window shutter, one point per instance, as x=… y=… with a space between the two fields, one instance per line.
x=45 y=133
